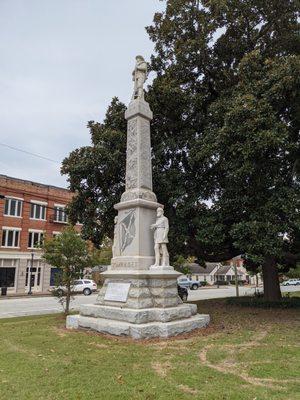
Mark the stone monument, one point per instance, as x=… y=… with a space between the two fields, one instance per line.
x=139 y=297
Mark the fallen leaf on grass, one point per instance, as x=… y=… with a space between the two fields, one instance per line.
x=120 y=379
x=187 y=389
x=162 y=369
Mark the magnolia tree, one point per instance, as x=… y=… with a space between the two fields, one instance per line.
x=225 y=136
x=71 y=255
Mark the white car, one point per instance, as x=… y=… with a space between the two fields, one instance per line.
x=291 y=282
x=85 y=286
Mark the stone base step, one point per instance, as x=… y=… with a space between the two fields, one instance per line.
x=138 y=331
x=139 y=316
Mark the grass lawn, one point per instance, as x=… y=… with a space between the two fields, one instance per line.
x=293 y=294
x=244 y=354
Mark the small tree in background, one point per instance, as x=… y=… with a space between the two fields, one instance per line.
x=71 y=255
x=104 y=256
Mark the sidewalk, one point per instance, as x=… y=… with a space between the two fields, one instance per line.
x=22 y=295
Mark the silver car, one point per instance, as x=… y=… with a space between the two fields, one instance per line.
x=188 y=283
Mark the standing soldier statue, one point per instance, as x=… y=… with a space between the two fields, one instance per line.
x=161 y=230
x=139 y=76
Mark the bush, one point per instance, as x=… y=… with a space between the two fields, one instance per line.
x=203 y=283
x=260 y=302
x=222 y=283
x=240 y=283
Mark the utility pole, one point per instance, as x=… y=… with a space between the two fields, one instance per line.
x=236 y=280
x=29 y=272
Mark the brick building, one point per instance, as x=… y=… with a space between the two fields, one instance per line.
x=29 y=212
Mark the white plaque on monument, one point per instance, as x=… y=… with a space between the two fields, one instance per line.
x=117 y=292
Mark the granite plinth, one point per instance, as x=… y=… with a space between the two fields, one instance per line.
x=138 y=331
x=148 y=288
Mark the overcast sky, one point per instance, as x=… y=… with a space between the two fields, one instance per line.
x=61 y=62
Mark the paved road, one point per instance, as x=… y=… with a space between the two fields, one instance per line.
x=47 y=305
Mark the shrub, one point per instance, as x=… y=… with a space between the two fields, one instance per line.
x=240 y=283
x=260 y=302
x=222 y=283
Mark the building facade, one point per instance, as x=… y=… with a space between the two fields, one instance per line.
x=213 y=272
x=29 y=212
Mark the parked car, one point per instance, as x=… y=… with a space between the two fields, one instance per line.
x=291 y=282
x=182 y=292
x=85 y=286
x=188 y=283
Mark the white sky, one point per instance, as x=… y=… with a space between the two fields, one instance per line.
x=61 y=62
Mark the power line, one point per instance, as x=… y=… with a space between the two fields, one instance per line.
x=28 y=152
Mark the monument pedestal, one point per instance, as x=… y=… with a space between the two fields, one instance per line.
x=151 y=308
x=175 y=321
x=138 y=298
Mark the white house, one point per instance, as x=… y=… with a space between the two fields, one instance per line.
x=213 y=272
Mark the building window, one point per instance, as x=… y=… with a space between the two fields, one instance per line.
x=38 y=211
x=55 y=275
x=13 y=207
x=35 y=276
x=60 y=214
x=35 y=271
x=10 y=237
x=55 y=234
x=35 y=239
x=7 y=277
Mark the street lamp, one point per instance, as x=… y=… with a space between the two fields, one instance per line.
x=29 y=272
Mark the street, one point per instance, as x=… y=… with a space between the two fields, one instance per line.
x=17 y=307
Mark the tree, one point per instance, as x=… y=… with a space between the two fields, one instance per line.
x=230 y=69
x=71 y=255
x=104 y=254
x=251 y=145
x=96 y=174
x=207 y=54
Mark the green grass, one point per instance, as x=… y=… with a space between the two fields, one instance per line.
x=244 y=354
x=293 y=294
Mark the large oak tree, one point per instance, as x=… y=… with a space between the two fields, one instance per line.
x=225 y=135
x=227 y=95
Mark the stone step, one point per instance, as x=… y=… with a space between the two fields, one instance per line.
x=138 y=331
x=139 y=316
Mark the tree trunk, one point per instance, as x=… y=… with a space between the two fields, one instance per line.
x=68 y=299
x=271 y=280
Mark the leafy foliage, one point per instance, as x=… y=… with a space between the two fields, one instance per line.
x=225 y=134
x=97 y=174
x=231 y=70
x=71 y=255
x=252 y=143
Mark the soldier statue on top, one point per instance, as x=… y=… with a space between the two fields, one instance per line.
x=139 y=76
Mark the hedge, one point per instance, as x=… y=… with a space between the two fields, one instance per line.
x=248 y=301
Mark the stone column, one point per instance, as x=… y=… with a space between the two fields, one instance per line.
x=138 y=154
x=133 y=247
